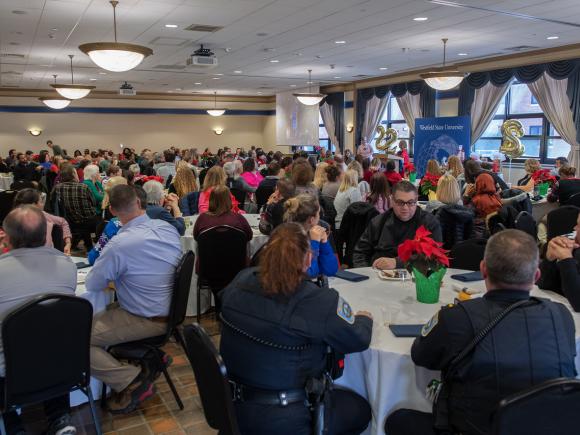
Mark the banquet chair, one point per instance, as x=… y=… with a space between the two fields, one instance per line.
x=6 y=201
x=574 y=200
x=57 y=238
x=548 y=408
x=525 y=222
x=212 y=380
x=262 y=194
x=142 y=350
x=240 y=196
x=561 y=221
x=222 y=252
x=56 y=358
x=468 y=254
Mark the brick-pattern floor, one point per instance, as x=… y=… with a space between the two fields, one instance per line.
x=158 y=415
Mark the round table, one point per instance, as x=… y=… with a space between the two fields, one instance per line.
x=385 y=374
x=188 y=243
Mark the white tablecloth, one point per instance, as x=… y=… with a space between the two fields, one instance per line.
x=188 y=243
x=99 y=300
x=542 y=207
x=385 y=374
x=5 y=181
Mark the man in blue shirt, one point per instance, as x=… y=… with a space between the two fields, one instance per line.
x=141 y=262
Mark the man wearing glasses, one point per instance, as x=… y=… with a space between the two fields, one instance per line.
x=378 y=245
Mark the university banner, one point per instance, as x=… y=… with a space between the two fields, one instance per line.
x=440 y=138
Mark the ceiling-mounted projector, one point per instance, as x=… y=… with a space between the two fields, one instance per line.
x=127 y=90
x=202 y=57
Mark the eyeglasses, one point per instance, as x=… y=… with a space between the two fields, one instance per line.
x=400 y=203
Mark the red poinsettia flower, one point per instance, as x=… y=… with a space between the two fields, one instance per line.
x=428 y=183
x=152 y=178
x=409 y=167
x=423 y=252
x=543 y=176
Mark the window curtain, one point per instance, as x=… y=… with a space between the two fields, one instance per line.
x=375 y=108
x=332 y=112
x=552 y=98
x=486 y=100
x=326 y=111
x=411 y=109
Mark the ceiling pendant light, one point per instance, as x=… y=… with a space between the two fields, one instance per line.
x=55 y=102
x=115 y=56
x=215 y=111
x=309 y=98
x=72 y=91
x=444 y=79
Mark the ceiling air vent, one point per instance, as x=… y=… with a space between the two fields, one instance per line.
x=203 y=28
x=172 y=67
x=13 y=55
x=14 y=73
x=521 y=48
x=360 y=76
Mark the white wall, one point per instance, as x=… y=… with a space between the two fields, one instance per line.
x=154 y=131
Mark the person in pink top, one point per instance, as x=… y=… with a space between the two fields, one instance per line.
x=33 y=197
x=250 y=174
x=216 y=176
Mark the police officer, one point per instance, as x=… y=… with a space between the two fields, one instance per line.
x=277 y=330
x=534 y=342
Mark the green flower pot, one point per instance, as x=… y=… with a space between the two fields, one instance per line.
x=543 y=189
x=428 y=287
x=413 y=177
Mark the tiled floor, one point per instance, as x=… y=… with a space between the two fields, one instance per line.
x=158 y=415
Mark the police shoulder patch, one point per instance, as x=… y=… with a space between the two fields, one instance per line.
x=428 y=327
x=344 y=311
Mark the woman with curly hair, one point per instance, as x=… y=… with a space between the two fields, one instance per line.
x=184 y=181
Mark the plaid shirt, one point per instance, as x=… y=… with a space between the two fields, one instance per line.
x=78 y=201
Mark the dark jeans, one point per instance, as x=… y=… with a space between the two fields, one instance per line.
x=350 y=414
x=53 y=410
x=410 y=422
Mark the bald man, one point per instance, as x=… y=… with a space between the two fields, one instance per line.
x=29 y=269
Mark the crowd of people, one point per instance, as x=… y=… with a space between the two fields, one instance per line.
x=322 y=212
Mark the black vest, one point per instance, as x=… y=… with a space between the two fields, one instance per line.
x=530 y=345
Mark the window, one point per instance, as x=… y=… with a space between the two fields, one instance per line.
x=541 y=139
x=393 y=118
x=323 y=135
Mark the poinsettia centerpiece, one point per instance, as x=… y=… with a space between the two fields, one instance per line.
x=428 y=184
x=543 y=176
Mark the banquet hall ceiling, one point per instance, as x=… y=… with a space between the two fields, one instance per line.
x=37 y=35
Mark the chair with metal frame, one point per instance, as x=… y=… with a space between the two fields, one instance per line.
x=142 y=350
x=55 y=359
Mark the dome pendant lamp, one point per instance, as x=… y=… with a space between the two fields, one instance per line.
x=215 y=111
x=72 y=91
x=56 y=102
x=444 y=79
x=309 y=98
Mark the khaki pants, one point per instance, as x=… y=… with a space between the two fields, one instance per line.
x=117 y=326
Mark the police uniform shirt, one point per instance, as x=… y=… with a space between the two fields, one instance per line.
x=312 y=316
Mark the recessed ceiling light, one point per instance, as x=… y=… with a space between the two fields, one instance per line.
x=215 y=78
x=197 y=83
x=383 y=68
x=237 y=71
x=292 y=86
x=54 y=29
x=259 y=93
x=274 y=61
x=93 y=80
x=553 y=37
x=219 y=75
x=178 y=89
x=461 y=54
x=340 y=42
x=103 y=73
x=337 y=77
x=171 y=26
x=420 y=19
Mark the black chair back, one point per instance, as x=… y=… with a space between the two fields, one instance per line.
x=263 y=192
x=46 y=348
x=468 y=254
x=548 y=408
x=240 y=196
x=354 y=222
x=212 y=381
x=456 y=224
x=222 y=252
x=6 y=201
x=525 y=222
x=328 y=212
x=574 y=200
x=562 y=220
x=181 y=288
x=57 y=237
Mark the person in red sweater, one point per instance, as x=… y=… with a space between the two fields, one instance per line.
x=393 y=177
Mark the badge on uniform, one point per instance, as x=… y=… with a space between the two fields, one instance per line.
x=344 y=311
x=428 y=327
